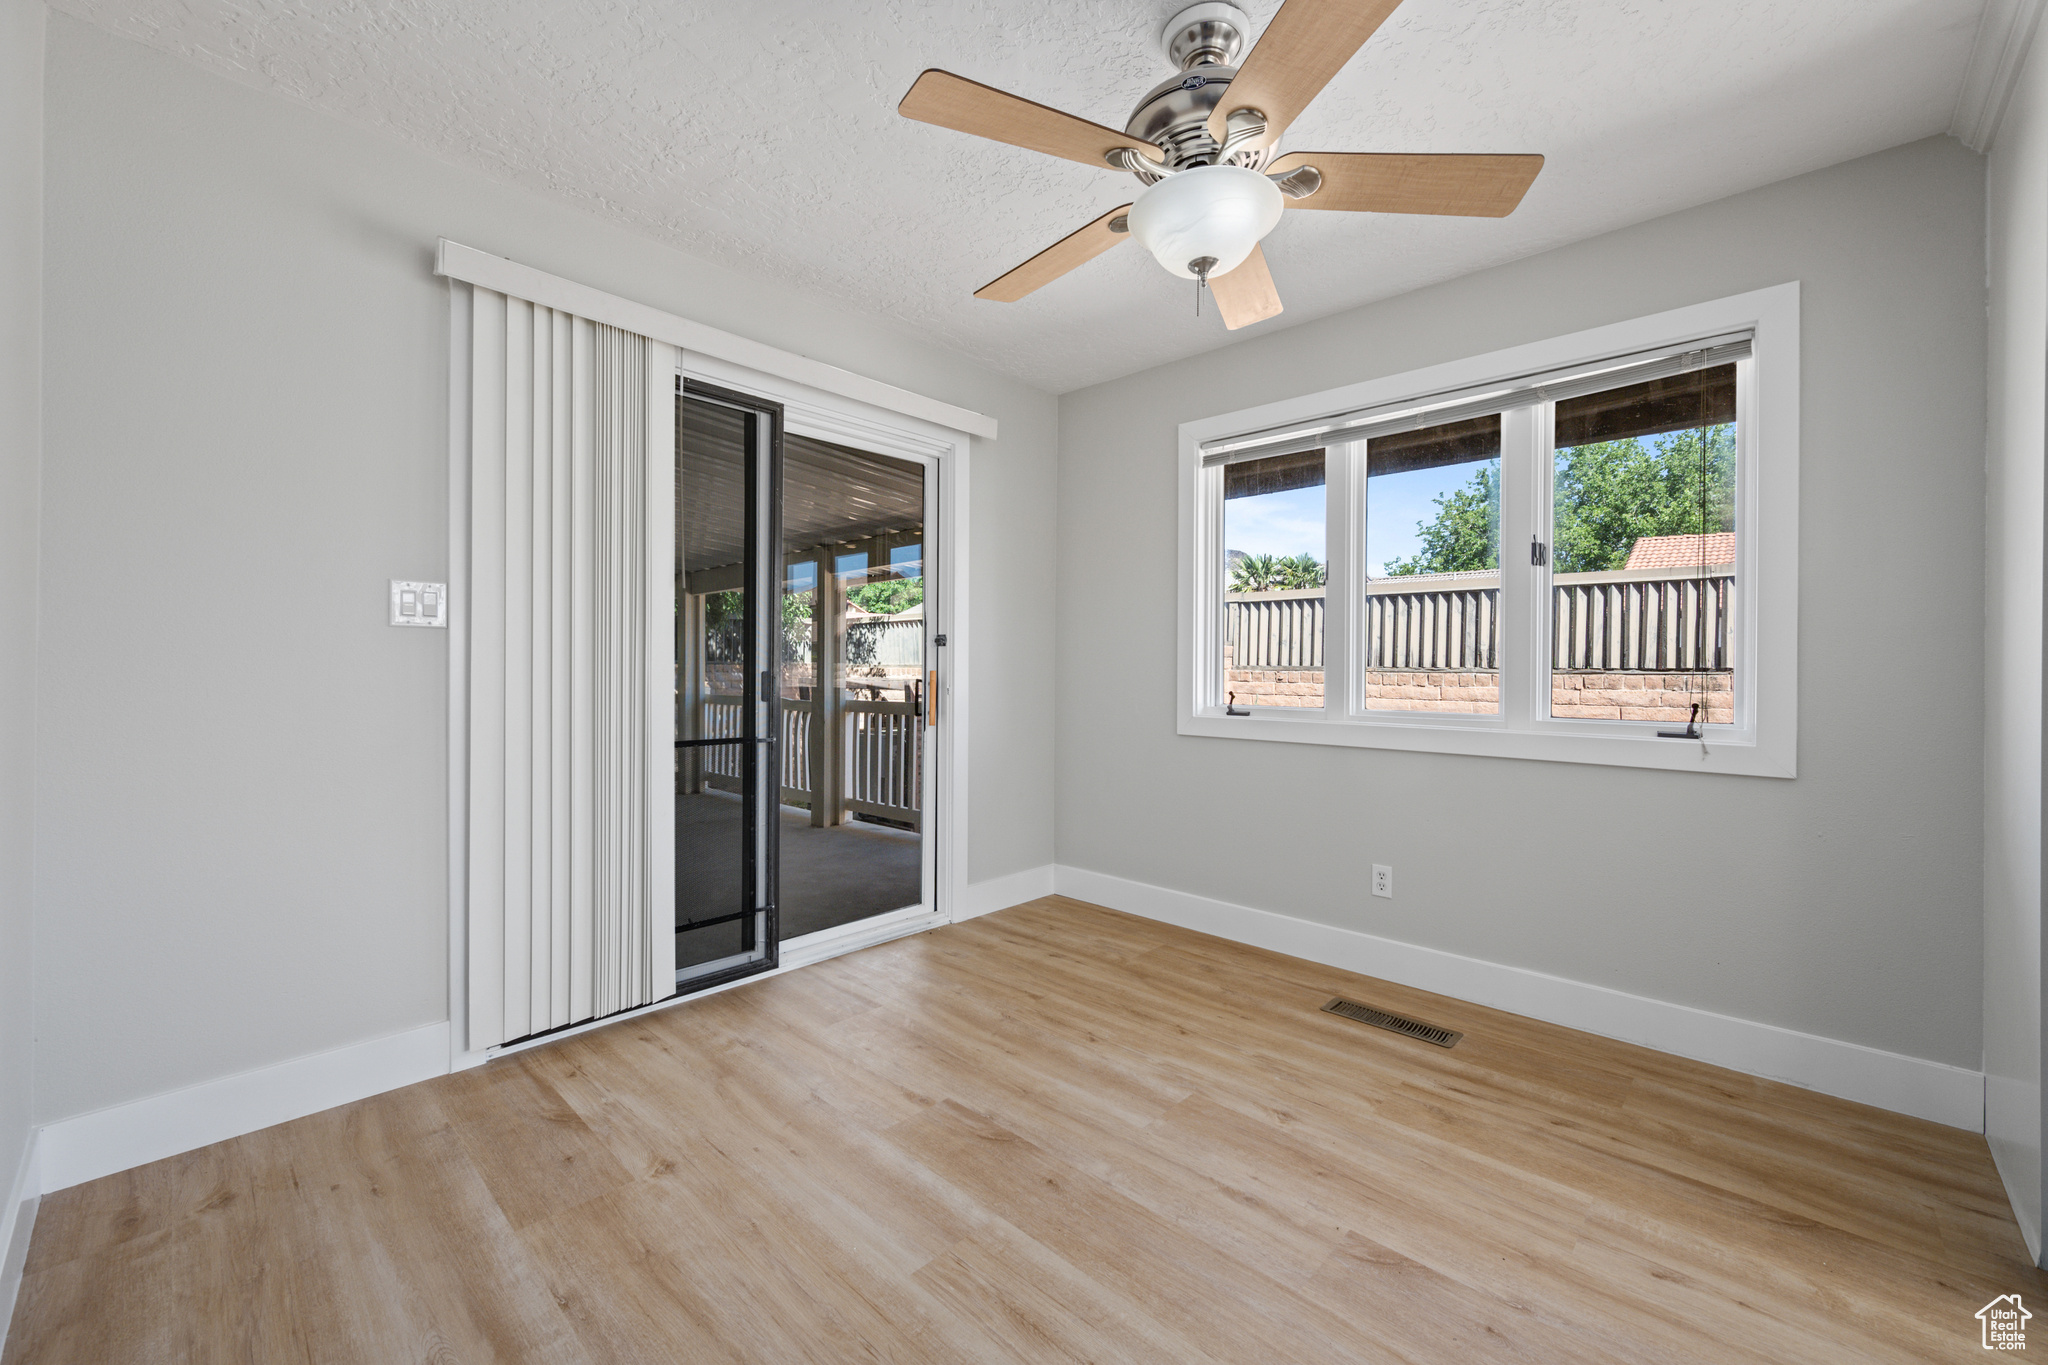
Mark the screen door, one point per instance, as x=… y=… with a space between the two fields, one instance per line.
x=728 y=722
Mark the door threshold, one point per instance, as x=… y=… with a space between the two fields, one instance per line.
x=861 y=933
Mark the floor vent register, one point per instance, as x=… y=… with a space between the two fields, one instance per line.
x=1414 y=1028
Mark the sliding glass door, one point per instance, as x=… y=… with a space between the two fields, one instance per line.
x=858 y=615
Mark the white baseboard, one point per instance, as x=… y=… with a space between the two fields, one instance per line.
x=75 y=1150
x=1000 y=893
x=1907 y=1085
x=17 y=1221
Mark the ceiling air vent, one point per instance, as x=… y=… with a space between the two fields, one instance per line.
x=1414 y=1028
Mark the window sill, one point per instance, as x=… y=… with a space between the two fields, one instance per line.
x=1726 y=753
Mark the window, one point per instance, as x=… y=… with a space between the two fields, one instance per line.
x=1643 y=537
x=1432 y=569
x=1584 y=549
x=1275 y=572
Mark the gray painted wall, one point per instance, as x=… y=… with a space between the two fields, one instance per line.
x=242 y=809
x=1845 y=903
x=2014 y=516
x=21 y=320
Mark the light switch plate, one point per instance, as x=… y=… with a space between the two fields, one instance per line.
x=419 y=604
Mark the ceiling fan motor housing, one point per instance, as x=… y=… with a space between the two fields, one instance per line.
x=1174 y=117
x=1203 y=41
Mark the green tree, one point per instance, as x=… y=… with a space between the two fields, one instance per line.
x=1256 y=573
x=1607 y=495
x=796 y=624
x=1466 y=533
x=725 y=627
x=887 y=597
x=1610 y=494
x=1303 y=571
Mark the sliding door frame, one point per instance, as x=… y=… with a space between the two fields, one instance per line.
x=944 y=453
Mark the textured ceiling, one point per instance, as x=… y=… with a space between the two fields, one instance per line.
x=763 y=135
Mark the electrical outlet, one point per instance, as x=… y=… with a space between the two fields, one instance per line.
x=1383 y=880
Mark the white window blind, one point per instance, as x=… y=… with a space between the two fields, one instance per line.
x=1479 y=400
x=571 y=859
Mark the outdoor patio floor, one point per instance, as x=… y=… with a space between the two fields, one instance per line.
x=829 y=876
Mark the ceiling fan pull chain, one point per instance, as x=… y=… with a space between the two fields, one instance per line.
x=1201 y=265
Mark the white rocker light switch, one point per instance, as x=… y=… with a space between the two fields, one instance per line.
x=419 y=604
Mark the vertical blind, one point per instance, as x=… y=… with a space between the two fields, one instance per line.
x=571 y=616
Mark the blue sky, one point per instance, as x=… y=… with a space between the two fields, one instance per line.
x=1292 y=523
x=1288 y=523
x=1396 y=505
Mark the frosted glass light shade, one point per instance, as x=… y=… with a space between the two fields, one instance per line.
x=1219 y=211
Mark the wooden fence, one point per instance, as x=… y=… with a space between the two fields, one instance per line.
x=1659 y=621
x=872 y=641
x=1275 y=629
x=1616 y=622
x=1453 y=626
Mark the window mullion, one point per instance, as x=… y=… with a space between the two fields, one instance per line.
x=1209 y=594
x=1344 y=550
x=1522 y=623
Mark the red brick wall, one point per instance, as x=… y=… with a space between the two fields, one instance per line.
x=1592 y=696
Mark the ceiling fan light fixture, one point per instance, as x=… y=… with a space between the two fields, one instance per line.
x=1220 y=212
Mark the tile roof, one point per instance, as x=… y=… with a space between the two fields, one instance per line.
x=1680 y=552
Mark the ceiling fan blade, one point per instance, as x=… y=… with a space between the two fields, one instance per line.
x=1246 y=295
x=967 y=106
x=1307 y=43
x=1073 y=250
x=1399 y=182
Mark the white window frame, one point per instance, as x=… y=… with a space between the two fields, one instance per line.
x=1762 y=741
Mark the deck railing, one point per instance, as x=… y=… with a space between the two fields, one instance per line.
x=797 y=719
x=884 y=771
x=1654 y=620
x=883 y=748
x=721 y=761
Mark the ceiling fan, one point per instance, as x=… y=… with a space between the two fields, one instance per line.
x=1203 y=144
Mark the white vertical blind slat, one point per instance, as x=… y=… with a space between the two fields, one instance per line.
x=518 y=626
x=558 y=659
x=540 y=669
x=559 y=683
x=582 y=647
x=487 y=673
x=659 y=633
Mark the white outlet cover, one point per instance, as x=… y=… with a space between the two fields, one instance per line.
x=418 y=604
x=1383 y=880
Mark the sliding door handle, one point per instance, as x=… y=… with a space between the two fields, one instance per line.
x=931 y=710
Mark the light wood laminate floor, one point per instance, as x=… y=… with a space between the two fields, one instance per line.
x=1054 y=1133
